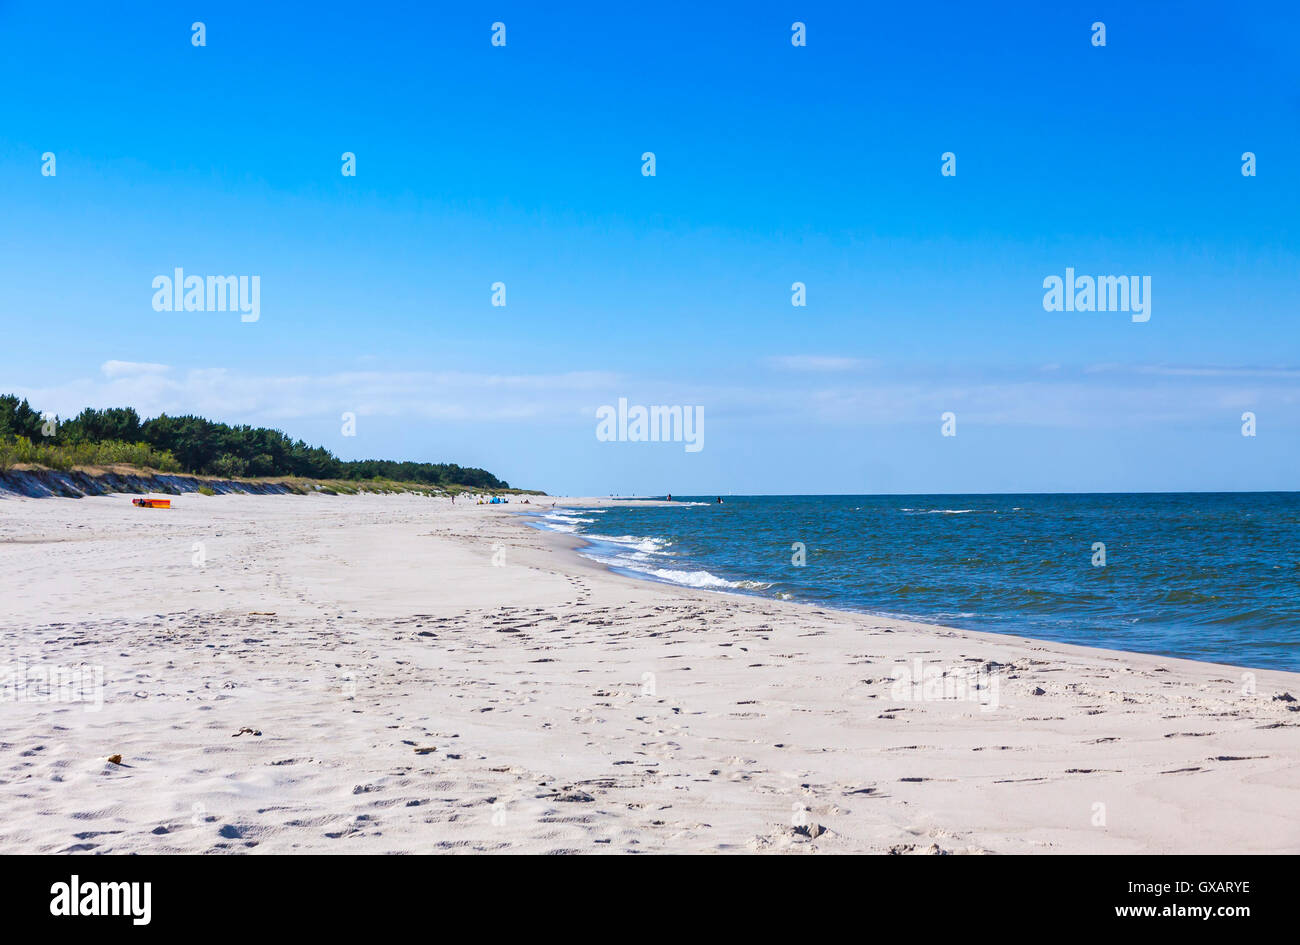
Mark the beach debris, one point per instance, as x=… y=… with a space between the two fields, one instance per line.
x=1038 y=691
x=246 y=731
x=913 y=849
x=811 y=830
x=571 y=795
x=261 y=613
x=115 y=759
x=152 y=503
x=1285 y=697
x=425 y=751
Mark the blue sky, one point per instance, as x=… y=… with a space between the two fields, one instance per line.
x=775 y=164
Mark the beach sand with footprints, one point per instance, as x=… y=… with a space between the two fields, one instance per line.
x=391 y=674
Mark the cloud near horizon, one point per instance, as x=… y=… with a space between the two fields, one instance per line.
x=1098 y=396
x=219 y=393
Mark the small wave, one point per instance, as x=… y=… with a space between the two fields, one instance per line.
x=944 y=511
x=702 y=579
x=637 y=542
x=645 y=558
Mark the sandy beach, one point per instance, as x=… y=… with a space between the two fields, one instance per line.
x=414 y=677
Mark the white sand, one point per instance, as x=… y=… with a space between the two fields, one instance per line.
x=392 y=630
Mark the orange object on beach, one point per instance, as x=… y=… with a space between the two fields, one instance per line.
x=153 y=503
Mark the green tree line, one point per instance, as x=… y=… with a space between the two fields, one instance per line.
x=205 y=447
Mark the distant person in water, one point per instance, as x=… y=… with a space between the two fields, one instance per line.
x=670 y=497
x=719 y=500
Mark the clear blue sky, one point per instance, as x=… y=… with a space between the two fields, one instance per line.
x=775 y=164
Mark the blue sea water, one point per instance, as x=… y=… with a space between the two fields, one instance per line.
x=1213 y=576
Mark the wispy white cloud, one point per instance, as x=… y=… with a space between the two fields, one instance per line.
x=221 y=393
x=821 y=364
x=1099 y=397
x=1175 y=370
x=132 y=368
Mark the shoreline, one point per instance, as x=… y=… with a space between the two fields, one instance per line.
x=573 y=549
x=437 y=679
x=580 y=540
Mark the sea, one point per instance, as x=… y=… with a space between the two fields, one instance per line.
x=1205 y=576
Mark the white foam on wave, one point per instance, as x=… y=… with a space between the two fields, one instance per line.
x=635 y=542
x=700 y=579
x=564 y=520
x=687 y=578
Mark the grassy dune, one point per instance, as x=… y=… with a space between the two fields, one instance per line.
x=65 y=477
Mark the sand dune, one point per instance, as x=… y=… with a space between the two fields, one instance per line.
x=406 y=694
